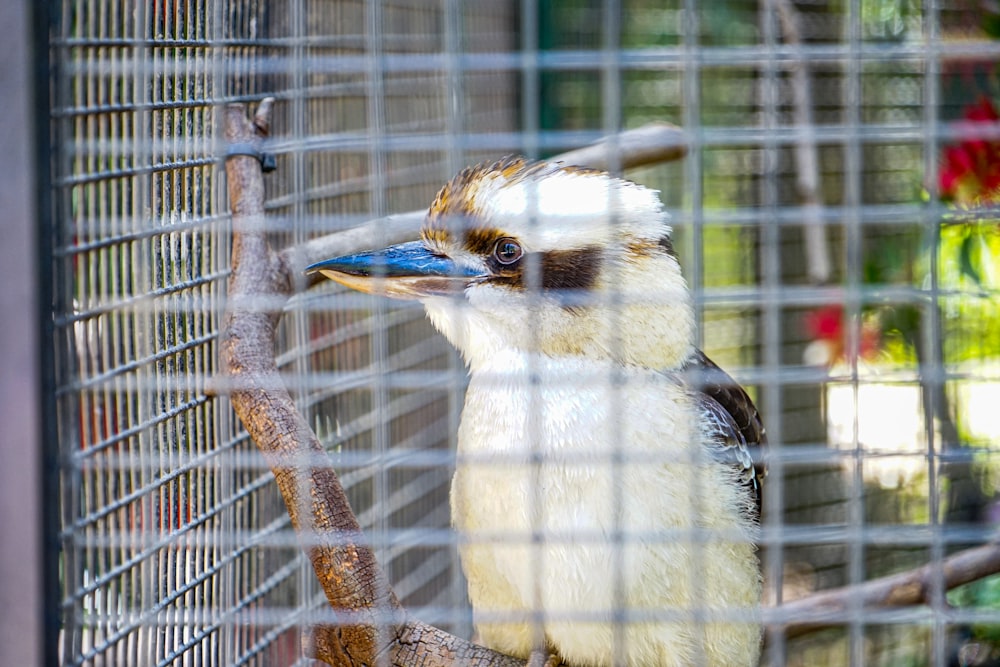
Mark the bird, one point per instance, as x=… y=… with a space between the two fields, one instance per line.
x=609 y=475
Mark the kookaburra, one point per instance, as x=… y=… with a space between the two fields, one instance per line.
x=607 y=489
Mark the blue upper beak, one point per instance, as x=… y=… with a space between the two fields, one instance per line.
x=406 y=271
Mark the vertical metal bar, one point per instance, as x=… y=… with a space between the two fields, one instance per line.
x=852 y=314
x=226 y=589
x=771 y=276
x=461 y=622
x=374 y=36
x=694 y=178
x=45 y=22
x=297 y=320
x=932 y=331
x=693 y=162
x=145 y=274
x=530 y=83
x=531 y=110
x=611 y=79
x=454 y=89
x=66 y=94
x=611 y=123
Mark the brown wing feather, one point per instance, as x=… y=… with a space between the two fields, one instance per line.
x=732 y=418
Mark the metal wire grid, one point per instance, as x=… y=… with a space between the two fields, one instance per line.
x=152 y=501
x=176 y=547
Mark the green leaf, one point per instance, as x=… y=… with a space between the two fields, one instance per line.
x=969 y=257
x=991 y=24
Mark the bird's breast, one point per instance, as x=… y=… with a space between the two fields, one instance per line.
x=582 y=488
x=569 y=445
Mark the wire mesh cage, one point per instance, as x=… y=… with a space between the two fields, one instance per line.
x=834 y=217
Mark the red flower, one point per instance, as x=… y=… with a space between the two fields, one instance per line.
x=971 y=170
x=826 y=327
x=825 y=323
x=982 y=112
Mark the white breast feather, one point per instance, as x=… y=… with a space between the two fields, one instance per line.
x=574 y=419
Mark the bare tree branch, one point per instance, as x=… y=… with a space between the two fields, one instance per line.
x=838 y=606
x=806 y=153
x=652 y=143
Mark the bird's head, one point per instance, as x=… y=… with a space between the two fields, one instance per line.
x=540 y=257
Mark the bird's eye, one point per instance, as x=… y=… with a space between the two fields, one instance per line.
x=507 y=251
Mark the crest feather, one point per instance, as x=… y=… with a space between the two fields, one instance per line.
x=580 y=206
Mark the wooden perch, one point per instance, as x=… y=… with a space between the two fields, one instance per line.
x=834 y=607
x=374 y=624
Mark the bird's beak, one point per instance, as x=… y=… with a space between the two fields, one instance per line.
x=404 y=271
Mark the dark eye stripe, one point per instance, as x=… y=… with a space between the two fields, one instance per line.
x=571 y=269
x=560 y=269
